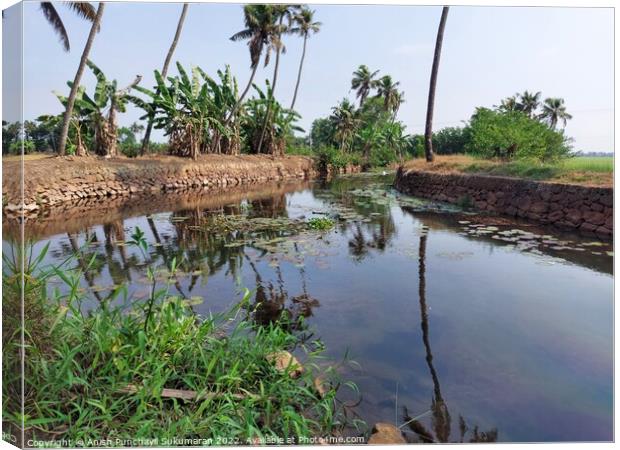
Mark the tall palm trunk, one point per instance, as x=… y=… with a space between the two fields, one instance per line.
x=301 y=64
x=164 y=72
x=428 y=133
x=273 y=91
x=270 y=99
x=76 y=81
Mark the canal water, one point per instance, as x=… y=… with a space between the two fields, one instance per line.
x=478 y=327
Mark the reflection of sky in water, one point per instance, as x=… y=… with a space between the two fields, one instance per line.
x=520 y=342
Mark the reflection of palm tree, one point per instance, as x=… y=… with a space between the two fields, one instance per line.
x=441 y=420
x=114 y=233
x=159 y=248
x=381 y=230
x=441 y=415
x=272 y=207
x=84 y=267
x=357 y=245
x=270 y=303
x=304 y=302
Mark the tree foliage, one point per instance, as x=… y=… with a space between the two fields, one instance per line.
x=490 y=131
x=280 y=124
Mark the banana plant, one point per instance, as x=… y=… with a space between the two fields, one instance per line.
x=224 y=139
x=280 y=125
x=95 y=116
x=191 y=111
x=82 y=128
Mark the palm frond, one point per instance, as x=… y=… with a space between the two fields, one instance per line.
x=52 y=17
x=83 y=9
x=241 y=35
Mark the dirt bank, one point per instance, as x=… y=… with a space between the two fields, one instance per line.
x=55 y=180
x=584 y=208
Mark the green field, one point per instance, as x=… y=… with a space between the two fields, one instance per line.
x=590 y=164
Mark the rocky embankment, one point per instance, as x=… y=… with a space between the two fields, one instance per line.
x=52 y=181
x=566 y=206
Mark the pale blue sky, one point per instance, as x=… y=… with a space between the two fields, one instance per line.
x=489 y=53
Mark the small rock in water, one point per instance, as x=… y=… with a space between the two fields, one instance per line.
x=385 y=433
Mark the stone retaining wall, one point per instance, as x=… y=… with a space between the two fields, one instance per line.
x=567 y=206
x=57 y=181
x=71 y=180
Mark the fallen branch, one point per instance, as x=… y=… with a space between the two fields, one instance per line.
x=185 y=394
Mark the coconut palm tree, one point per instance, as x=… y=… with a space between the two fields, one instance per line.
x=428 y=133
x=259 y=25
x=83 y=9
x=554 y=111
x=363 y=81
x=345 y=122
x=508 y=104
x=164 y=72
x=388 y=91
x=78 y=76
x=528 y=102
x=304 y=27
x=275 y=43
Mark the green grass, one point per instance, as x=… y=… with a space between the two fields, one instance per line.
x=520 y=169
x=589 y=164
x=78 y=363
x=577 y=170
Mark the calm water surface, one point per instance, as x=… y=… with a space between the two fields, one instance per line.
x=499 y=329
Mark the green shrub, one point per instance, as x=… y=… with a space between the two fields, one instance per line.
x=491 y=131
x=331 y=157
x=16 y=147
x=415 y=146
x=130 y=149
x=450 y=140
x=161 y=148
x=303 y=150
x=382 y=156
x=322 y=133
x=356 y=159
